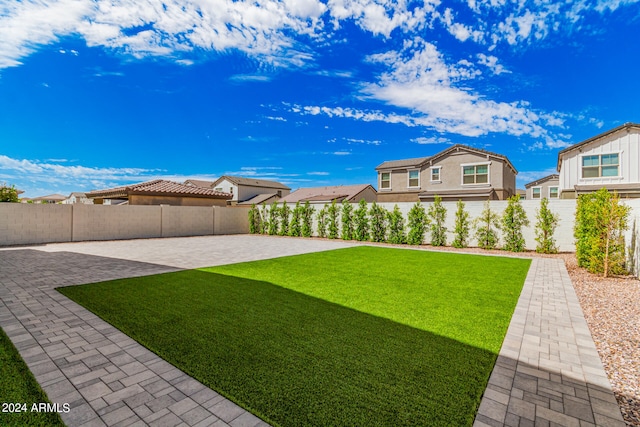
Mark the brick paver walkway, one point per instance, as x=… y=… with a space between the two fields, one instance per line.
x=548 y=372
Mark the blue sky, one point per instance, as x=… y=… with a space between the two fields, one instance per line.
x=95 y=94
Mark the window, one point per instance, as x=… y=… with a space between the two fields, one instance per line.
x=536 y=192
x=435 y=174
x=385 y=180
x=414 y=178
x=476 y=174
x=553 y=192
x=602 y=165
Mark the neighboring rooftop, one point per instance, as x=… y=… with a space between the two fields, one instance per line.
x=542 y=180
x=251 y=182
x=157 y=187
x=326 y=194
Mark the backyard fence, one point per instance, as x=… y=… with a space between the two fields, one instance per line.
x=24 y=224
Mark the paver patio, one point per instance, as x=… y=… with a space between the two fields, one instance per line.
x=548 y=371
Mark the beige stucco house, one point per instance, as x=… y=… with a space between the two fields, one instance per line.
x=610 y=159
x=547 y=187
x=160 y=192
x=245 y=189
x=458 y=173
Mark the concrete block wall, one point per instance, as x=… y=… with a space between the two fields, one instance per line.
x=178 y=221
x=23 y=224
x=231 y=220
x=105 y=222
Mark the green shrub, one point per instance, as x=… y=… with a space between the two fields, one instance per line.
x=461 y=239
x=599 y=231
x=417 y=222
x=437 y=215
x=295 y=229
x=396 y=226
x=274 y=216
x=322 y=222
x=487 y=226
x=332 y=220
x=264 y=219
x=8 y=194
x=254 y=220
x=307 y=219
x=284 y=219
x=361 y=231
x=347 y=220
x=378 y=222
x=545 y=228
x=513 y=219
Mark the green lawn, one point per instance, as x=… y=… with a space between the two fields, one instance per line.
x=358 y=336
x=17 y=385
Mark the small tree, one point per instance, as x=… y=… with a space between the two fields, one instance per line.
x=632 y=250
x=295 y=229
x=545 y=228
x=264 y=219
x=361 y=231
x=332 y=220
x=321 y=217
x=8 y=194
x=513 y=219
x=274 y=216
x=396 y=226
x=461 y=239
x=254 y=220
x=378 y=216
x=437 y=214
x=307 y=219
x=284 y=219
x=417 y=222
x=599 y=230
x=487 y=226
x=347 y=220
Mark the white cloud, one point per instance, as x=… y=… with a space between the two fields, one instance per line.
x=363 y=141
x=491 y=62
x=431 y=140
x=318 y=173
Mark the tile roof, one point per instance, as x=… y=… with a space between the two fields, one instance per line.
x=338 y=192
x=252 y=182
x=56 y=197
x=199 y=183
x=158 y=187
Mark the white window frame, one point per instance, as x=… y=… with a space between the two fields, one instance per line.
x=380 y=185
x=599 y=155
x=432 y=170
x=533 y=194
x=409 y=178
x=464 y=165
x=557 y=191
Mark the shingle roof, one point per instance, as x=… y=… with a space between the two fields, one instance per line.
x=158 y=187
x=338 y=192
x=419 y=161
x=252 y=182
x=56 y=197
x=259 y=198
x=400 y=164
x=199 y=183
x=541 y=180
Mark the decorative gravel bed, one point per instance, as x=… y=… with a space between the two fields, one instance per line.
x=611 y=307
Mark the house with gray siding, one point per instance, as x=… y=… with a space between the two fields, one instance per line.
x=458 y=173
x=547 y=187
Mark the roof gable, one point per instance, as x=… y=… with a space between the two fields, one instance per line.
x=627 y=126
x=551 y=177
x=251 y=182
x=330 y=193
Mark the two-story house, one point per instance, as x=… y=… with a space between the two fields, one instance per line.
x=547 y=187
x=245 y=190
x=458 y=173
x=609 y=160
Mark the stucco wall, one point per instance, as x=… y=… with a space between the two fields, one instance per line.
x=23 y=224
x=145 y=200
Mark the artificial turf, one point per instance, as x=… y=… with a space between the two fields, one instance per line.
x=19 y=390
x=357 y=336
